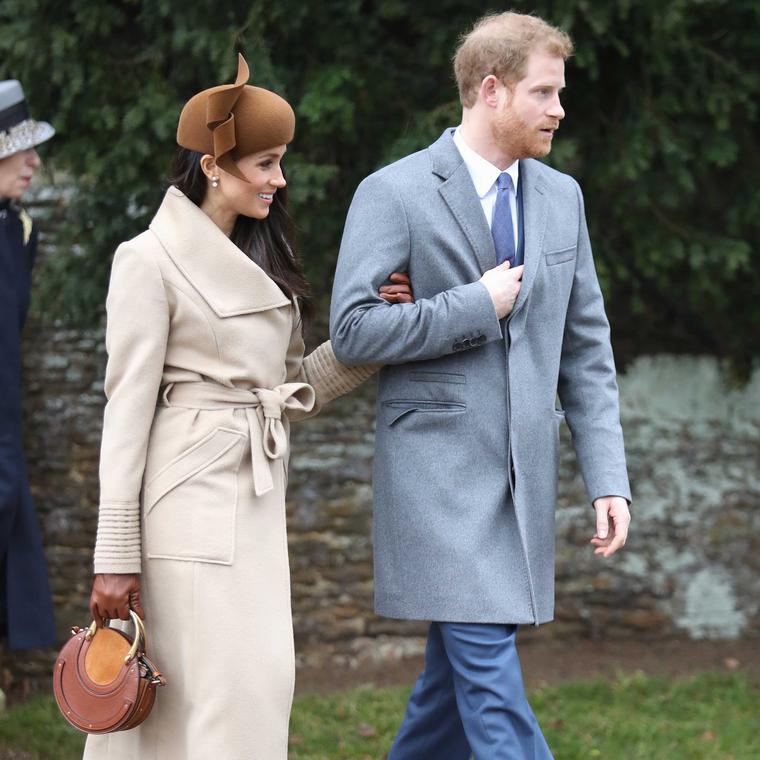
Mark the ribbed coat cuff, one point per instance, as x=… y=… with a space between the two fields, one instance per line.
x=117 y=547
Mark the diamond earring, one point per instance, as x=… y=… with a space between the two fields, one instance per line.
x=215 y=182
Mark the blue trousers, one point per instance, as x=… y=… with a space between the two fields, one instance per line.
x=470 y=700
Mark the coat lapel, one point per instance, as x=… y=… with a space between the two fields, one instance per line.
x=535 y=208
x=459 y=194
x=229 y=282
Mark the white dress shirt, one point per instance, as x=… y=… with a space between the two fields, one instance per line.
x=484 y=175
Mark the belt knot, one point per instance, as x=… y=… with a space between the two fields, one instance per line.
x=274 y=439
x=263 y=407
x=272 y=402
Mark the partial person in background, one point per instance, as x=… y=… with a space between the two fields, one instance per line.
x=26 y=609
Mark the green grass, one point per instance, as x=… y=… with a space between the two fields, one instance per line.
x=707 y=717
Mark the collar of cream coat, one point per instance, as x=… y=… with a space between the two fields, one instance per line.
x=229 y=282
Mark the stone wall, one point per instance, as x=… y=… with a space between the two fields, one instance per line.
x=694 y=455
x=691 y=566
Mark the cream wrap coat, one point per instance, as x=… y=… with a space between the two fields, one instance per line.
x=205 y=371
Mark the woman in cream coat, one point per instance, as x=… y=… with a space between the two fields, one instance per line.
x=205 y=372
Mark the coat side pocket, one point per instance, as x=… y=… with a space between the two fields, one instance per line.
x=190 y=504
x=425 y=376
x=395 y=410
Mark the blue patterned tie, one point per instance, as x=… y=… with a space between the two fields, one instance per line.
x=501 y=226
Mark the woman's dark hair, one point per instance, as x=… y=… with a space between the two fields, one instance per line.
x=270 y=242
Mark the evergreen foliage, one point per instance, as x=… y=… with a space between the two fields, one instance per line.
x=662 y=111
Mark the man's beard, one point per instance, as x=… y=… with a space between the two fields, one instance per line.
x=515 y=137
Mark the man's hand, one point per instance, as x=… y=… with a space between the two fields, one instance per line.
x=503 y=283
x=612 y=521
x=113 y=595
x=400 y=291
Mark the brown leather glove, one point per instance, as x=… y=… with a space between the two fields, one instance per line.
x=400 y=291
x=113 y=595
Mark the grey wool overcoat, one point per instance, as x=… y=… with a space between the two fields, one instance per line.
x=466 y=452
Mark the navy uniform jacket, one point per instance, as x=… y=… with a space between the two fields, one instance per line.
x=26 y=611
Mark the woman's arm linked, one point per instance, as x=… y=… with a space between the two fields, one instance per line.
x=320 y=369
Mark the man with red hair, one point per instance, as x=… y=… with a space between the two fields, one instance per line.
x=508 y=316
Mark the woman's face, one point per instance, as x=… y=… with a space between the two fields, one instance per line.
x=16 y=173
x=252 y=198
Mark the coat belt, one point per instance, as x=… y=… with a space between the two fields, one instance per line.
x=263 y=407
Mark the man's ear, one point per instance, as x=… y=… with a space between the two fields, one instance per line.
x=492 y=90
x=489 y=90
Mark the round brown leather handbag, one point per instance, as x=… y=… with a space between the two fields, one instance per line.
x=103 y=681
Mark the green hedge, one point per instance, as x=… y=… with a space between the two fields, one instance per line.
x=662 y=115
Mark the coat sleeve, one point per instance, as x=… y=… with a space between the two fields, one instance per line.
x=136 y=333
x=320 y=369
x=364 y=327
x=587 y=385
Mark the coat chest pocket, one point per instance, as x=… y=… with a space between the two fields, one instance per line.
x=190 y=504
x=561 y=256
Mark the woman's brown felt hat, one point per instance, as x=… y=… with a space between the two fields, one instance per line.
x=234 y=120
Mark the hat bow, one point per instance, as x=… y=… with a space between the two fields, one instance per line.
x=221 y=121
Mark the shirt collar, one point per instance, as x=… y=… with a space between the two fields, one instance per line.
x=484 y=174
